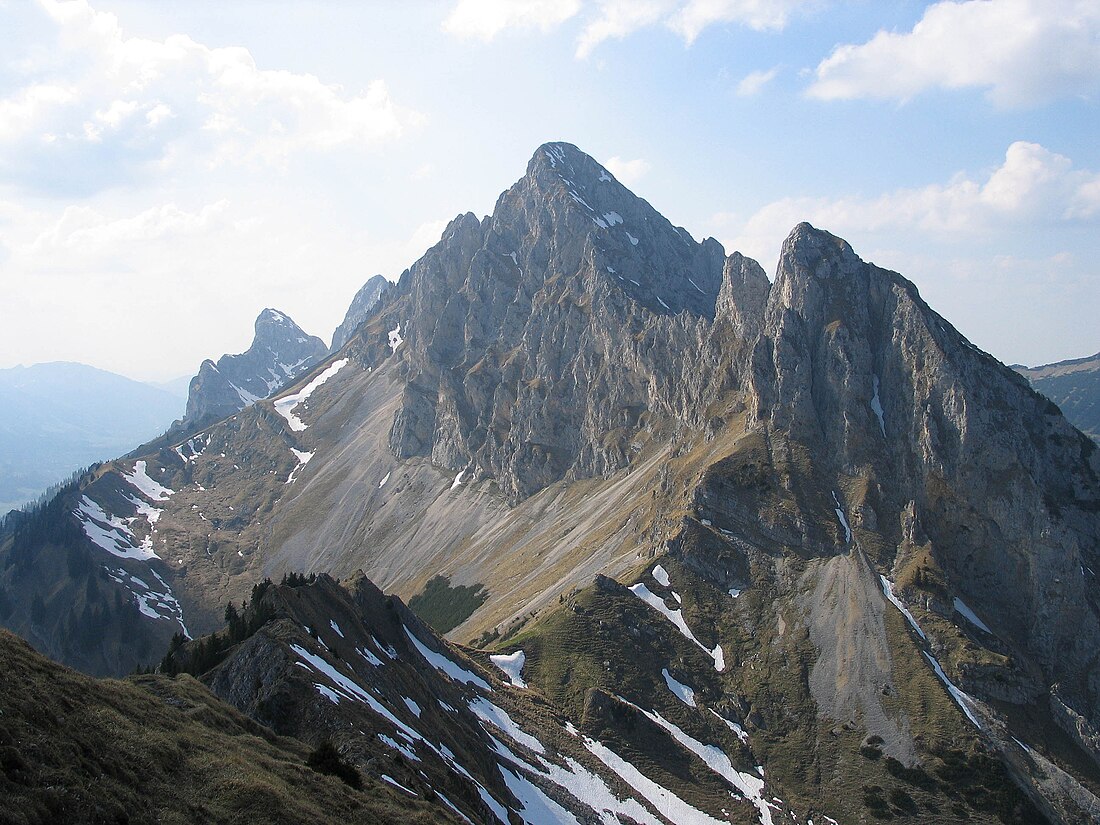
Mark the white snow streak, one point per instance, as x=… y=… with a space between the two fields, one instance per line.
x=970 y=616
x=888 y=592
x=843 y=521
x=750 y=785
x=660 y=575
x=285 y=405
x=442 y=663
x=876 y=407
x=677 y=618
x=681 y=691
x=139 y=479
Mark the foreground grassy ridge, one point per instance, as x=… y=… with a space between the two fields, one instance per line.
x=154 y=749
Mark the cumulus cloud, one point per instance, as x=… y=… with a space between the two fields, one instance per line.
x=754 y=82
x=1033 y=187
x=485 y=19
x=1022 y=52
x=628 y=172
x=104 y=104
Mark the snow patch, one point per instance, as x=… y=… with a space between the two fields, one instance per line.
x=677 y=618
x=391 y=780
x=382 y=483
x=336 y=627
x=285 y=405
x=970 y=616
x=876 y=406
x=662 y=303
x=964 y=700
x=669 y=804
x=660 y=575
x=139 y=479
x=681 y=691
x=445 y=665
x=604 y=176
x=733 y=726
x=458 y=479
x=843 y=521
x=750 y=785
x=486 y=711
x=303 y=460
x=888 y=592
x=512 y=665
x=612 y=218
x=411 y=705
x=110 y=533
x=394 y=338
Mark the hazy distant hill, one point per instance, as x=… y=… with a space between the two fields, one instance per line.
x=1074 y=386
x=57 y=417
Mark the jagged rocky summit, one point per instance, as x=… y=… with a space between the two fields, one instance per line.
x=361 y=305
x=573 y=431
x=279 y=353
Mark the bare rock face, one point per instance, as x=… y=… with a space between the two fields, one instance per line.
x=280 y=352
x=543 y=333
x=360 y=308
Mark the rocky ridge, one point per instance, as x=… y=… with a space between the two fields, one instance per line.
x=887 y=534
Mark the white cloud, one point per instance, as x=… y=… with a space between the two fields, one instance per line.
x=628 y=172
x=92 y=232
x=619 y=18
x=1033 y=187
x=105 y=104
x=754 y=82
x=760 y=15
x=1022 y=52
x=485 y=19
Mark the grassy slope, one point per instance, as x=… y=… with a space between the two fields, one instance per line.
x=149 y=748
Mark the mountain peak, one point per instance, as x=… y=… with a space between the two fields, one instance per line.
x=816 y=252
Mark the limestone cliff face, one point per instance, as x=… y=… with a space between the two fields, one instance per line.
x=948 y=455
x=536 y=341
x=280 y=352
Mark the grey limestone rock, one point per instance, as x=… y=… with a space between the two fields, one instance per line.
x=361 y=305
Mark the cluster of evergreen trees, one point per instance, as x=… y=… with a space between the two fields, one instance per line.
x=200 y=656
x=46 y=522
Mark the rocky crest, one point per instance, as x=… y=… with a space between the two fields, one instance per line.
x=280 y=352
x=361 y=305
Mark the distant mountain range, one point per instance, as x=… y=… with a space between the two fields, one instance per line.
x=58 y=417
x=1074 y=386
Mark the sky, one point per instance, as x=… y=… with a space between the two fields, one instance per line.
x=167 y=170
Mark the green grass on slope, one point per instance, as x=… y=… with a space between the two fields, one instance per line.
x=153 y=749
